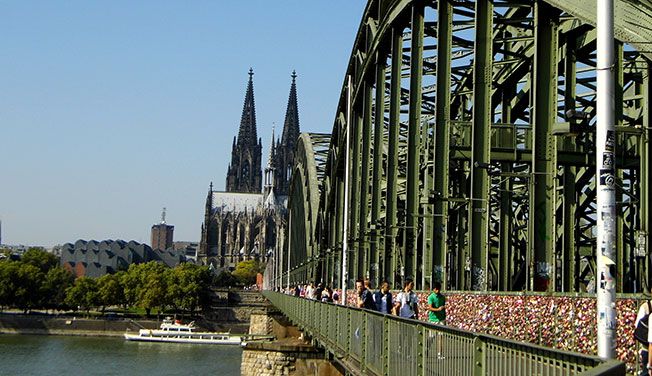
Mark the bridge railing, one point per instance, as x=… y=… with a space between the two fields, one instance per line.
x=376 y=344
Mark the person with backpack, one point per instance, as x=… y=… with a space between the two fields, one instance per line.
x=407 y=301
x=644 y=337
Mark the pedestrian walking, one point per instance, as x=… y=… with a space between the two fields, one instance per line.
x=437 y=305
x=383 y=298
x=365 y=298
x=310 y=291
x=407 y=301
x=437 y=314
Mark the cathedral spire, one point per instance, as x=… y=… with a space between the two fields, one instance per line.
x=272 y=152
x=291 y=125
x=245 y=173
x=269 y=170
x=285 y=148
x=248 y=134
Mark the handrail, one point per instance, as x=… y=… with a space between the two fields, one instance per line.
x=376 y=344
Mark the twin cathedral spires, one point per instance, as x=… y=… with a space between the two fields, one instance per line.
x=245 y=173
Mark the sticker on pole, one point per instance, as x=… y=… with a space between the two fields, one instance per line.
x=607 y=178
x=608 y=160
x=610 y=142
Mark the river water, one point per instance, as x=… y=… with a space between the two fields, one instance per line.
x=64 y=355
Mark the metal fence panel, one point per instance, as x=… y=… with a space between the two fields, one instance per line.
x=403 y=342
x=343 y=329
x=447 y=353
x=504 y=359
x=374 y=344
x=357 y=334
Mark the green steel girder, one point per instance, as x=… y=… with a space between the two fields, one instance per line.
x=413 y=146
x=442 y=141
x=480 y=147
x=472 y=159
x=545 y=153
x=377 y=246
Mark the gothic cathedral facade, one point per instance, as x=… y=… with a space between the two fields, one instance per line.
x=248 y=219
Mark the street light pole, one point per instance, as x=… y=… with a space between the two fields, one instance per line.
x=345 y=243
x=606 y=179
x=289 y=244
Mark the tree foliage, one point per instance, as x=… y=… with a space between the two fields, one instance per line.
x=57 y=281
x=40 y=259
x=246 y=271
x=36 y=281
x=187 y=286
x=110 y=291
x=28 y=291
x=83 y=294
x=8 y=280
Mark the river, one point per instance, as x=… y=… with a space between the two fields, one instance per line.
x=64 y=355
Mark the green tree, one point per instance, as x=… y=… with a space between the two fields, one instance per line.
x=8 y=280
x=246 y=271
x=41 y=259
x=130 y=282
x=109 y=291
x=188 y=286
x=83 y=294
x=57 y=281
x=28 y=292
x=145 y=285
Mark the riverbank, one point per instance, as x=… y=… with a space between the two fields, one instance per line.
x=12 y=323
x=70 y=325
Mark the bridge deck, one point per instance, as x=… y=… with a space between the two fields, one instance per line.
x=370 y=343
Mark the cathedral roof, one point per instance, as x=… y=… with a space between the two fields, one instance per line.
x=231 y=202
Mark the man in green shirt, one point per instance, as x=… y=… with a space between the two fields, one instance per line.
x=437 y=314
x=437 y=305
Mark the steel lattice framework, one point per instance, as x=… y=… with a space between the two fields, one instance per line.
x=472 y=150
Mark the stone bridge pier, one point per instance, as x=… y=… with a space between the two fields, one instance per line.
x=290 y=354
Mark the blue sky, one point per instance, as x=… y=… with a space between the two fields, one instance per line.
x=112 y=110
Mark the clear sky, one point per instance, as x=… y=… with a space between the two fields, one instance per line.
x=112 y=110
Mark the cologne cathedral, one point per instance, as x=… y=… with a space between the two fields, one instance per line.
x=247 y=221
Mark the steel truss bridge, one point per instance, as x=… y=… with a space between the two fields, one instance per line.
x=472 y=159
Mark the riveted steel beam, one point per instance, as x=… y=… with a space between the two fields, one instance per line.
x=363 y=248
x=414 y=144
x=377 y=244
x=442 y=139
x=391 y=249
x=545 y=106
x=480 y=146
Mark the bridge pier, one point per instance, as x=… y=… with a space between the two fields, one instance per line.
x=289 y=354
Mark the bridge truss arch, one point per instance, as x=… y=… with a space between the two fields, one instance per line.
x=303 y=205
x=472 y=158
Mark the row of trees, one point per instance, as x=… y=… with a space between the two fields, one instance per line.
x=36 y=281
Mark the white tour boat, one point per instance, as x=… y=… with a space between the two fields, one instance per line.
x=176 y=332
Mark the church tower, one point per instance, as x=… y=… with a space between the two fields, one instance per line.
x=284 y=154
x=245 y=173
